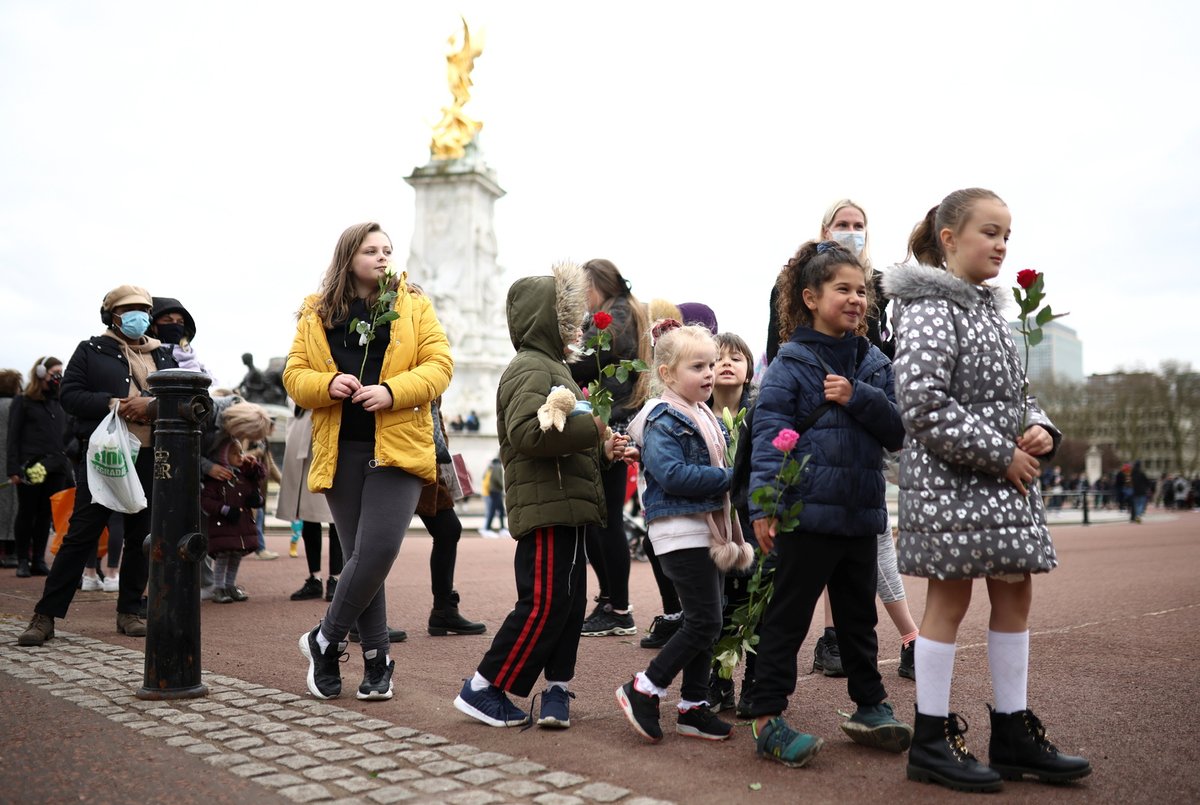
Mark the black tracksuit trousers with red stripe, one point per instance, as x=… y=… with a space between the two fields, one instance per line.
x=542 y=632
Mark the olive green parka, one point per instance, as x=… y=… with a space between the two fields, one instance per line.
x=551 y=477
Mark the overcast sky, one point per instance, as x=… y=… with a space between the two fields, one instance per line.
x=214 y=151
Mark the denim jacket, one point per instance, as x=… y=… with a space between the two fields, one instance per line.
x=679 y=478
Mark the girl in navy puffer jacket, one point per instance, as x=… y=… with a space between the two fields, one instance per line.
x=836 y=388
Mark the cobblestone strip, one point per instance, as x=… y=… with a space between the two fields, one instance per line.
x=304 y=749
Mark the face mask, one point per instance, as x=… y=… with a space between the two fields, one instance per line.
x=52 y=384
x=170 y=333
x=854 y=241
x=135 y=323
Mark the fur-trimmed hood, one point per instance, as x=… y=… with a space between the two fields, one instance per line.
x=531 y=298
x=906 y=282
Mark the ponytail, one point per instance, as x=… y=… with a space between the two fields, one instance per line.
x=923 y=243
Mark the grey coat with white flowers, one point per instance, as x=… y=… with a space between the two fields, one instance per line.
x=960 y=387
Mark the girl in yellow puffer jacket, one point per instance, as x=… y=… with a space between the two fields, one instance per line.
x=368 y=359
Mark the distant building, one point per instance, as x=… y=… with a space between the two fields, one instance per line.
x=1059 y=356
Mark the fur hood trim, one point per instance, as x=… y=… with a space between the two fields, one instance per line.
x=570 y=300
x=907 y=283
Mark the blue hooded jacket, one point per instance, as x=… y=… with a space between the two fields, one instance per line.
x=842 y=487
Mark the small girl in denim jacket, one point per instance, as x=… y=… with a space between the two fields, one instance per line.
x=694 y=531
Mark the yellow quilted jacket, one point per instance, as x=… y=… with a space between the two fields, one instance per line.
x=416 y=368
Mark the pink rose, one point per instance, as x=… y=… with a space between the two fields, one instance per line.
x=786 y=440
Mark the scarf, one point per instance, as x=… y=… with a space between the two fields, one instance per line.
x=140 y=358
x=726 y=545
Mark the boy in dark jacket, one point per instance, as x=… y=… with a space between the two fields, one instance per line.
x=552 y=487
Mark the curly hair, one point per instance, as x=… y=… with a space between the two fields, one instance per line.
x=811 y=268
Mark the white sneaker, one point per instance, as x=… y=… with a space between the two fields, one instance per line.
x=488 y=533
x=92 y=584
x=112 y=584
x=265 y=554
x=504 y=532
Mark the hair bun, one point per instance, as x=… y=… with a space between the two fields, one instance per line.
x=663 y=326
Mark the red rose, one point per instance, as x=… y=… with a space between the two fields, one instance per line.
x=602 y=320
x=1026 y=277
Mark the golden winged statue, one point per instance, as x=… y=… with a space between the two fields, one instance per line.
x=456 y=128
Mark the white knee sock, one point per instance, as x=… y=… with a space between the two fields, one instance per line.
x=643 y=684
x=935 y=668
x=1008 y=659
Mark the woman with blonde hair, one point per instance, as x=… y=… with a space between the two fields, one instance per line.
x=370 y=390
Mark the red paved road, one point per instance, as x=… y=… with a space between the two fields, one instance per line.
x=1114 y=658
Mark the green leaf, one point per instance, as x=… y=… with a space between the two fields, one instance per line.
x=609 y=371
x=1034 y=338
x=354 y=325
x=641 y=366
x=1020 y=298
x=391 y=315
x=1044 y=315
x=622 y=374
x=755 y=786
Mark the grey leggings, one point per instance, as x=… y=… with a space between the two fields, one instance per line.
x=372 y=507
x=887 y=575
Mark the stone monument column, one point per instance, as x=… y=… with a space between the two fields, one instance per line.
x=453 y=259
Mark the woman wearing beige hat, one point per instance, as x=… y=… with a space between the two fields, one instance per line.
x=106 y=369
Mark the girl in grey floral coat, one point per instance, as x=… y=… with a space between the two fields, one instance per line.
x=968 y=508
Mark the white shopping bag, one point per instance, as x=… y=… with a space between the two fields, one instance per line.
x=110 y=474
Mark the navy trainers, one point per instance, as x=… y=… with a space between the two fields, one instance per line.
x=490 y=706
x=324 y=669
x=556 y=708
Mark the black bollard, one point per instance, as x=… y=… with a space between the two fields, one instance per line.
x=177 y=546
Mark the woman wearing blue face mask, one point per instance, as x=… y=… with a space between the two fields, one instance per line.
x=105 y=370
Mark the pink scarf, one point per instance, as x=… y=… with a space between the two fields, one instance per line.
x=726 y=545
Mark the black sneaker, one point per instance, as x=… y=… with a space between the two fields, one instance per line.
x=237 y=593
x=324 y=670
x=660 y=631
x=602 y=605
x=720 y=693
x=908 y=661
x=827 y=656
x=310 y=590
x=330 y=588
x=609 y=623
x=221 y=596
x=745 y=699
x=377 y=676
x=641 y=710
x=701 y=722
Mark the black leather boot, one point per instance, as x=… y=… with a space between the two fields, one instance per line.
x=445 y=619
x=939 y=755
x=1019 y=746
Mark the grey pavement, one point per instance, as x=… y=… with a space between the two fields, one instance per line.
x=301 y=749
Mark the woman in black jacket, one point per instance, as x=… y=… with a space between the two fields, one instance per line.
x=607 y=548
x=105 y=370
x=35 y=438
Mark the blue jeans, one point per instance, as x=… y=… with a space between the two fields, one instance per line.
x=492 y=505
x=1138 y=507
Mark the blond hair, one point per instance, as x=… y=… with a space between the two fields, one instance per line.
x=673 y=343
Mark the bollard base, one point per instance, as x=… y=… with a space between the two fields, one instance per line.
x=154 y=694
